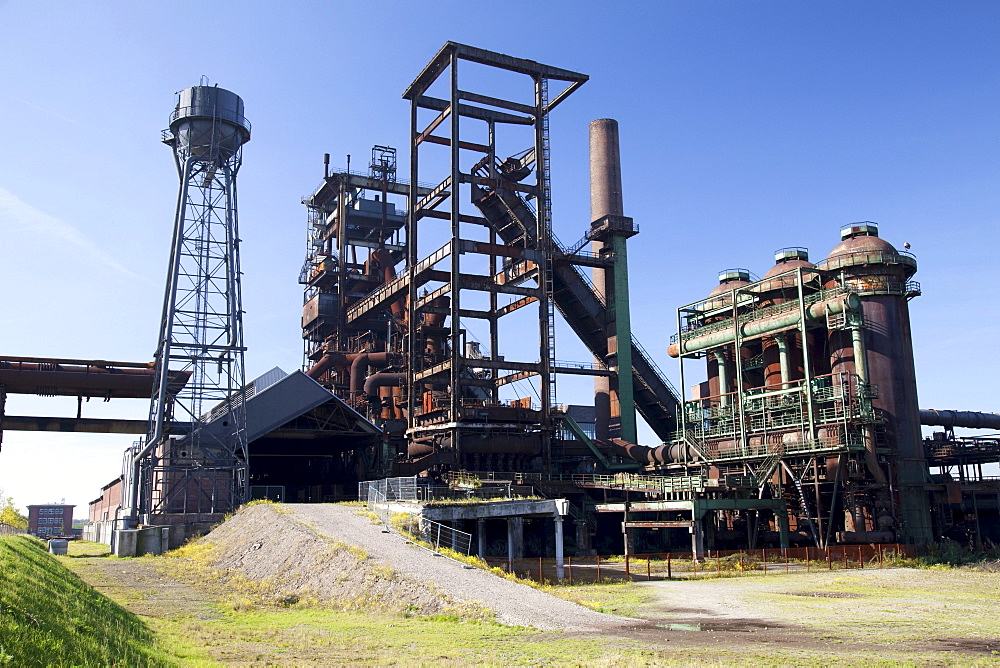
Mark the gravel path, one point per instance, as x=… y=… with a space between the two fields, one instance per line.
x=513 y=603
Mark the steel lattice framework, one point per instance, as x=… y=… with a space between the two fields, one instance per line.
x=194 y=459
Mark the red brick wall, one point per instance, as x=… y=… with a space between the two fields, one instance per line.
x=106 y=507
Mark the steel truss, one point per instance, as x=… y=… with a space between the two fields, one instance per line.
x=194 y=458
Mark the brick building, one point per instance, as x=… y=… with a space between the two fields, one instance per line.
x=50 y=520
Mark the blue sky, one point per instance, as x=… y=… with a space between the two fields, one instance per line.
x=745 y=127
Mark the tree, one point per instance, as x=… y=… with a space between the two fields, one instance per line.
x=9 y=514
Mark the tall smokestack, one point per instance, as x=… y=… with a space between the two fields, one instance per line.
x=605 y=200
x=605 y=170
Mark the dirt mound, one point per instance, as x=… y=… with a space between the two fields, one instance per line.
x=277 y=559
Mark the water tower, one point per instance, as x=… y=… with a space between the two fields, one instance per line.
x=194 y=459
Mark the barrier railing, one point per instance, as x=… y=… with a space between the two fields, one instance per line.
x=715 y=563
x=385 y=498
x=8 y=530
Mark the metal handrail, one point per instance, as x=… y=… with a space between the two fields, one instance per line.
x=869 y=257
x=637 y=347
x=759 y=313
x=222 y=114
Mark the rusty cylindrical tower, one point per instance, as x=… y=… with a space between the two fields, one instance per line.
x=880 y=352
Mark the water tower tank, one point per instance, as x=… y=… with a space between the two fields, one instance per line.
x=208 y=123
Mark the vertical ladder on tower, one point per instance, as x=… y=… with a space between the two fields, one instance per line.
x=547 y=237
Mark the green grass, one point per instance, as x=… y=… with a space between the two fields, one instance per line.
x=314 y=635
x=621 y=598
x=50 y=617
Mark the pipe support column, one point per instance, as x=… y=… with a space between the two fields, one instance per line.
x=559 y=547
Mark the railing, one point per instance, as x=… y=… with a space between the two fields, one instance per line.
x=8 y=530
x=713 y=564
x=381 y=495
x=637 y=347
x=210 y=110
x=869 y=257
x=583 y=366
x=495 y=491
x=696 y=329
x=881 y=285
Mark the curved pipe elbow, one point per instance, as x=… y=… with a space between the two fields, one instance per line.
x=377 y=380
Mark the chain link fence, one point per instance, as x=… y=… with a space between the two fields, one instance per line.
x=394 y=501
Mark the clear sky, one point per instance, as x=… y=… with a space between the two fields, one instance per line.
x=745 y=127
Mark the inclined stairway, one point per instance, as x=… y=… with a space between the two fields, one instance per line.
x=514 y=221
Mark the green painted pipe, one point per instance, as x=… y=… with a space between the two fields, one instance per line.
x=847 y=303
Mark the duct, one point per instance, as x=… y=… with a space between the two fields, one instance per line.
x=492 y=444
x=381 y=379
x=860 y=356
x=420 y=447
x=786 y=374
x=87 y=381
x=382 y=259
x=359 y=366
x=817 y=311
x=330 y=359
x=967 y=419
x=866 y=537
x=723 y=378
x=643 y=454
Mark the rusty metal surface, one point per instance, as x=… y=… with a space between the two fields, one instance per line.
x=87 y=425
x=968 y=419
x=82 y=378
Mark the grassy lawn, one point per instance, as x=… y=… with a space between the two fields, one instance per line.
x=255 y=633
x=898 y=608
x=50 y=617
x=296 y=636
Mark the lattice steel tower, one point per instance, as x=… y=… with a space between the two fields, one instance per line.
x=195 y=456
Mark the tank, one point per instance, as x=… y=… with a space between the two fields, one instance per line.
x=775 y=289
x=208 y=123
x=729 y=280
x=880 y=274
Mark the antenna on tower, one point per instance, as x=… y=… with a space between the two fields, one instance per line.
x=194 y=457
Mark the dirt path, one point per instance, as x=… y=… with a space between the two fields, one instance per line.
x=917 y=616
x=514 y=604
x=143 y=589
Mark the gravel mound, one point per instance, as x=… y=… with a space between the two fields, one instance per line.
x=336 y=555
x=513 y=603
x=291 y=562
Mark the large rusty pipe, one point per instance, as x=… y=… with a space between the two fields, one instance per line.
x=640 y=453
x=720 y=358
x=420 y=447
x=86 y=381
x=330 y=359
x=968 y=419
x=382 y=259
x=850 y=302
x=358 y=368
x=382 y=379
x=786 y=373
